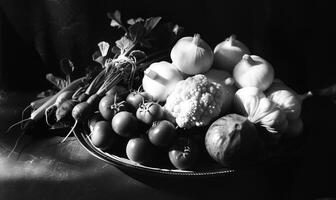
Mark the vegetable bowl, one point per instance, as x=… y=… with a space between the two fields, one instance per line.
x=207 y=169
x=123 y=163
x=184 y=110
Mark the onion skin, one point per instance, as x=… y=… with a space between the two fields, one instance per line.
x=224 y=78
x=228 y=53
x=192 y=55
x=253 y=71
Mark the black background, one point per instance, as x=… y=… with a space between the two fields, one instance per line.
x=296 y=37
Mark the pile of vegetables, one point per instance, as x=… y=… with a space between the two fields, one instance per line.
x=196 y=102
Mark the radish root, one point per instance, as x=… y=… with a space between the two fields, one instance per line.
x=15 y=145
x=17 y=123
x=72 y=130
x=46 y=114
x=23 y=113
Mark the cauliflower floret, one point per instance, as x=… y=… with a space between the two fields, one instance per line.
x=195 y=101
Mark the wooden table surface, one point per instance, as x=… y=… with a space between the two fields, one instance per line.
x=42 y=168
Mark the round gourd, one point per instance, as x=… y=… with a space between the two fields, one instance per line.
x=253 y=71
x=232 y=140
x=160 y=79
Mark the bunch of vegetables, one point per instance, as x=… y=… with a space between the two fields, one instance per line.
x=195 y=102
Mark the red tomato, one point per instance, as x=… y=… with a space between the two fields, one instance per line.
x=162 y=133
x=108 y=107
x=135 y=99
x=149 y=112
x=139 y=150
x=184 y=153
x=125 y=124
x=102 y=135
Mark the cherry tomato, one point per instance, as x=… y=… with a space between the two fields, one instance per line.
x=139 y=150
x=162 y=133
x=125 y=124
x=135 y=99
x=102 y=135
x=109 y=106
x=184 y=153
x=149 y=112
x=93 y=120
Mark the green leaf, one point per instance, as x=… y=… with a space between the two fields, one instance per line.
x=97 y=56
x=67 y=66
x=151 y=22
x=133 y=21
x=115 y=50
x=177 y=30
x=115 y=19
x=103 y=47
x=124 y=44
x=46 y=93
x=57 y=81
x=146 y=43
x=136 y=31
x=137 y=55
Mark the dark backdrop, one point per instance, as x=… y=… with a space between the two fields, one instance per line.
x=297 y=37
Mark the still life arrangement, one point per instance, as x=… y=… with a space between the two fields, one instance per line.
x=180 y=106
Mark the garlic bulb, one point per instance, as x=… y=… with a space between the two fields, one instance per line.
x=252 y=102
x=285 y=98
x=192 y=55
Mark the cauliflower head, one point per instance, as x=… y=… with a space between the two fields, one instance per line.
x=195 y=101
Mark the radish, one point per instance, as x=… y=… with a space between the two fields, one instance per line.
x=39 y=112
x=34 y=105
x=65 y=109
x=84 y=110
x=80 y=112
x=63 y=97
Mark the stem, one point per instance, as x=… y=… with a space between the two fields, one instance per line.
x=68 y=79
x=95 y=83
x=155 y=76
x=196 y=39
x=151 y=74
x=248 y=59
x=231 y=39
x=229 y=81
x=306 y=95
x=130 y=49
x=109 y=82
